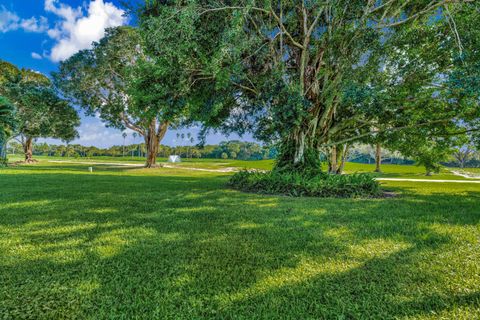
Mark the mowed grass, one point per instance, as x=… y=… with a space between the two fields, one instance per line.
x=126 y=243
x=186 y=162
x=388 y=170
x=400 y=171
x=472 y=171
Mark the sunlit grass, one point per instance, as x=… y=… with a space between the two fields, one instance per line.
x=172 y=243
x=388 y=170
x=401 y=171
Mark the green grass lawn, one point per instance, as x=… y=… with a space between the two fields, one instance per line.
x=126 y=243
x=388 y=170
x=401 y=171
x=197 y=163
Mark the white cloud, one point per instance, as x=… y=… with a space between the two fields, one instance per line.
x=34 y=25
x=36 y=56
x=10 y=21
x=93 y=131
x=77 y=31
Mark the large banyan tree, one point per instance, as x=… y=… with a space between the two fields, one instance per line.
x=317 y=74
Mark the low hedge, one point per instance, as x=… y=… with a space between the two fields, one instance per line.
x=298 y=185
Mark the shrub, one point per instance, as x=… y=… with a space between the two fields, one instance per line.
x=298 y=185
x=3 y=162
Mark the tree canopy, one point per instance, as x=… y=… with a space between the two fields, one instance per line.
x=41 y=112
x=8 y=123
x=116 y=79
x=316 y=75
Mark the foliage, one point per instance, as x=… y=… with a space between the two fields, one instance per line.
x=315 y=75
x=40 y=111
x=8 y=124
x=430 y=158
x=97 y=79
x=115 y=79
x=8 y=121
x=427 y=151
x=300 y=185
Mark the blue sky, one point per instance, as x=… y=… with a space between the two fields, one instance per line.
x=37 y=34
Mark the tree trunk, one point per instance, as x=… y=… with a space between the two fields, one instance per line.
x=298 y=154
x=3 y=148
x=333 y=161
x=28 y=150
x=299 y=149
x=378 y=158
x=151 y=142
x=344 y=159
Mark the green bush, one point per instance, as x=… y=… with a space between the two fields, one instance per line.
x=298 y=185
x=3 y=162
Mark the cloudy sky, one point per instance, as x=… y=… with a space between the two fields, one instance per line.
x=38 y=34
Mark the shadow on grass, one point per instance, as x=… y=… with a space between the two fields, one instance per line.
x=160 y=246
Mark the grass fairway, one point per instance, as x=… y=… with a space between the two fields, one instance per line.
x=176 y=244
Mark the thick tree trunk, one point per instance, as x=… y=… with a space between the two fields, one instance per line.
x=3 y=152
x=299 y=149
x=152 y=142
x=297 y=154
x=333 y=163
x=378 y=158
x=28 y=150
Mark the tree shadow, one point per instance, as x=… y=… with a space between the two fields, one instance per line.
x=170 y=246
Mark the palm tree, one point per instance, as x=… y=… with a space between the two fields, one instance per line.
x=7 y=124
x=124 y=135
x=175 y=144
x=189 y=139
x=134 y=134
x=192 y=140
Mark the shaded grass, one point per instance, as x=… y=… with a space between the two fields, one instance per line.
x=136 y=243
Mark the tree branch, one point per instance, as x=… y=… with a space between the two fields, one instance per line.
x=245 y=88
x=429 y=8
x=162 y=130
x=358 y=137
x=130 y=125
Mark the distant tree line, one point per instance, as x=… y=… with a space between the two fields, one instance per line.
x=224 y=150
x=360 y=153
